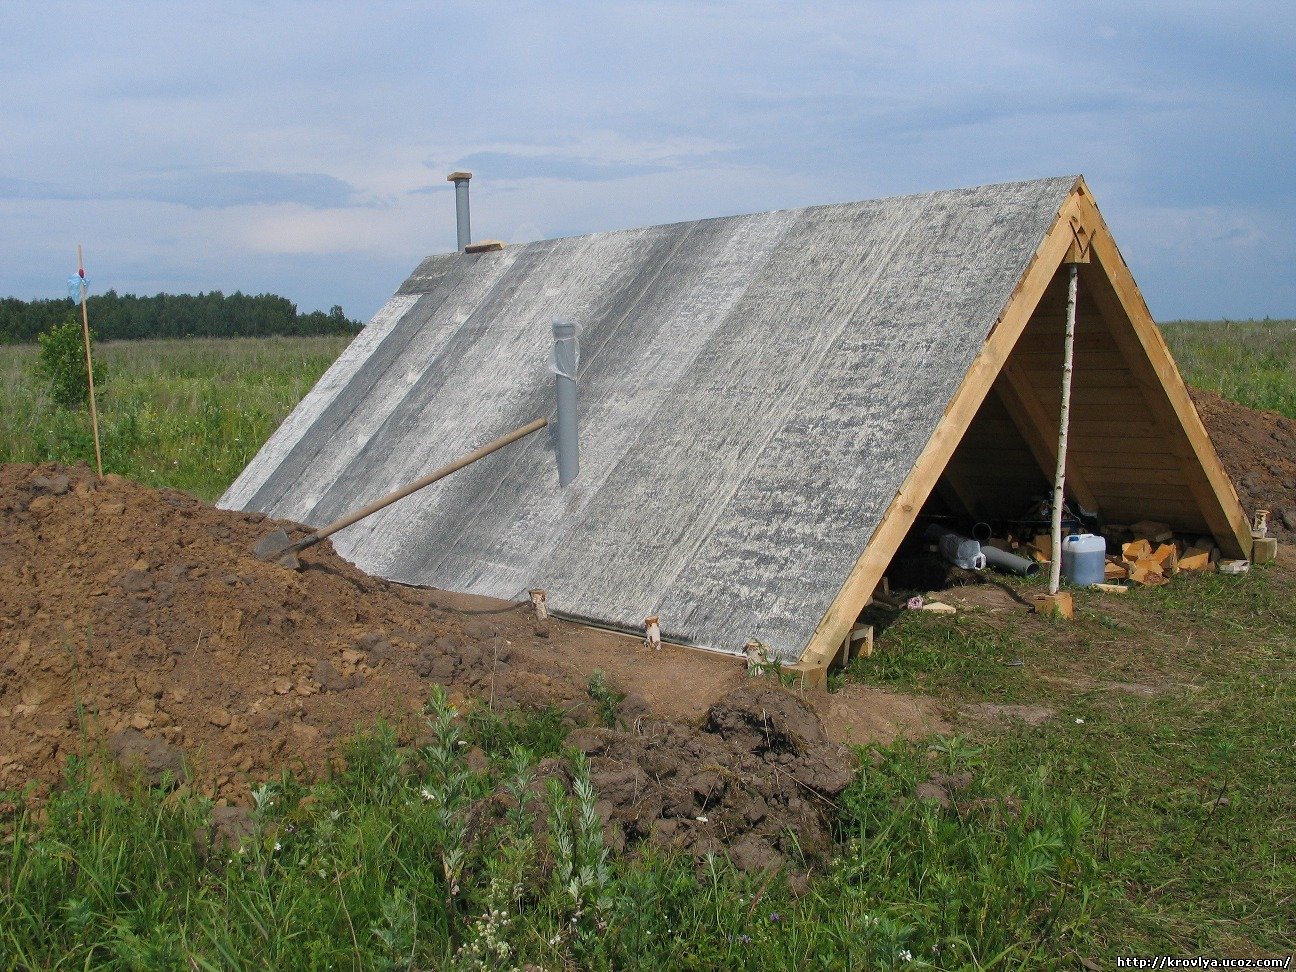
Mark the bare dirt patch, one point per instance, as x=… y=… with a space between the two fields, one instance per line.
x=1258 y=450
x=862 y=714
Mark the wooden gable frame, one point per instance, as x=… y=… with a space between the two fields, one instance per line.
x=1106 y=280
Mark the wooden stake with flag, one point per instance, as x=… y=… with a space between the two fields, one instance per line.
x=85 y=333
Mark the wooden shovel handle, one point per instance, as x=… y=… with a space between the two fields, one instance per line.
x=418 y=484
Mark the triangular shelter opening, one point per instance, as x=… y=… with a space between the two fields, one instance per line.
x=767 y=402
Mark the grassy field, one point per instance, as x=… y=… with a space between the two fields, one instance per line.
x=1151 y=814
x=1252 y=362
x=187 y=413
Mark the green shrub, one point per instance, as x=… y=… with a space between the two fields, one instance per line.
x=61 y=365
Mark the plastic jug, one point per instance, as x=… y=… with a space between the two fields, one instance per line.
x=1084 y=559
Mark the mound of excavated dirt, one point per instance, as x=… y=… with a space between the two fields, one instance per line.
x=142 y=615
x=757 y=778
x=1259 y=451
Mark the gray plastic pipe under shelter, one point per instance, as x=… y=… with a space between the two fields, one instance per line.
x=563 y=363
x=1009 y=562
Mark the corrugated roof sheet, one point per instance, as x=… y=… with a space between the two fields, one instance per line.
x=754 y=389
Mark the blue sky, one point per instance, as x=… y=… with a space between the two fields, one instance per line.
x=302 y=149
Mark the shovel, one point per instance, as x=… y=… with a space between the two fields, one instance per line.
x=279 y=548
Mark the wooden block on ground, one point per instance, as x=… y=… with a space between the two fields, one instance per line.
x=1135 y=550
x=1115 y=571
x=1043 y=543
x=1059 y=605
x=1147 y=572
x=1195 y=558
x=1111 y=588
x=809 y=676
x=1264 y=550
x=862 y=640
x=1154 y=530
x=1167 y=555
x=939 y=607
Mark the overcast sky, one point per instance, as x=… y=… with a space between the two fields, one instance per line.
x=302 y=149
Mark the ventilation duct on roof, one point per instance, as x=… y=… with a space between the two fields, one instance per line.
x=460 y=180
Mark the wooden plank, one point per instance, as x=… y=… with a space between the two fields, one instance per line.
x=1085 y=376
x=1085 y=343
x=1099 y=460
x=1118 y=427
x=918 y=484
x=1113 y=288
x=1127 y=396
x=1166 y=475
x=1050 y=361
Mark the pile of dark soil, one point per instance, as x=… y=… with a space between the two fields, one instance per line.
x=756 y=780
x=139 y=618
x=1259 y=451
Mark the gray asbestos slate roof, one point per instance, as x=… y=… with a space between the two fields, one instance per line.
x=754 y=390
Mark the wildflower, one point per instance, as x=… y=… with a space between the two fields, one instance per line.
x=745 y=939
x=1079 y=722
x=775 y=917
x=702 y=819
x=278 y=846
x=905 y=955
x=427 y=794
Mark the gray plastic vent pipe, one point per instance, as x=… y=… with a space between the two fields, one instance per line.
x=563 y=363
x=1011 y=563
x=462 y=224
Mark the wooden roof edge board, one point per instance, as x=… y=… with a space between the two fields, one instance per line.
x=1213 y=490
x=917 y=486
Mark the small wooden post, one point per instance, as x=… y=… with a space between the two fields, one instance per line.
x=85 y=334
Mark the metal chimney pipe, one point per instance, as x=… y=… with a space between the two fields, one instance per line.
x=460 y=180
x=563 y=363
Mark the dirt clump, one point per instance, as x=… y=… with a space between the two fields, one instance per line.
x=1258 y=450
x=758 y=779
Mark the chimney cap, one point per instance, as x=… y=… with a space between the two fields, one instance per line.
x=456 y=176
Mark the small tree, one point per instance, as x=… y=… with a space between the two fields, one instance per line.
x=61 y=363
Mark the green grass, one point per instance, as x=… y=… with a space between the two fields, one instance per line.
x=1179 y=873
x=189 y=414
x=1252 y=362
x=396 y=864
x=1076 y=839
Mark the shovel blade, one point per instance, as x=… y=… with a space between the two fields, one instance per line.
x=276 y=548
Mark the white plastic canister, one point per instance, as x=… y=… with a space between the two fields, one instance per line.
x=1084 y=559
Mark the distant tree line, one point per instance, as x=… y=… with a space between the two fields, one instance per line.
x=125 y=317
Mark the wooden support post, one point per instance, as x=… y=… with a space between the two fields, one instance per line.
x=1064 y=421
x=85 y=334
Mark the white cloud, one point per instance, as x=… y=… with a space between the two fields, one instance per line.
x=298 y=138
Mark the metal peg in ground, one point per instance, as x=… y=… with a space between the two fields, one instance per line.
x=279 y=548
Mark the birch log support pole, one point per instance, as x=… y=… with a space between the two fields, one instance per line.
x=85 y=334
x=1078 y=253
